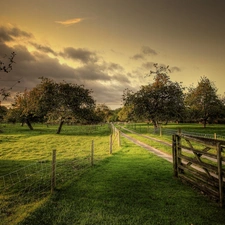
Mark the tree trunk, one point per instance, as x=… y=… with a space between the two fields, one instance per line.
x=29 y=124
x=60 y=127
x=204 y=123
x=155 y=124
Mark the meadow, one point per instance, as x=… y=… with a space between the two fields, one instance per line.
x=130 y=186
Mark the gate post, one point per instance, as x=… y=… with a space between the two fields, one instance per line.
x=174 y=152
x=220 y=175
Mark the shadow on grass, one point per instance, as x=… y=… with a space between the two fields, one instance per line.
x=131 y=187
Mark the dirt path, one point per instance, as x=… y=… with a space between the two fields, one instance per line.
x=149 y=148
x=148 y=137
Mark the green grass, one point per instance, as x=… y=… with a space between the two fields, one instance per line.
x=145 y=137
x=25 y=163
x=131 y=186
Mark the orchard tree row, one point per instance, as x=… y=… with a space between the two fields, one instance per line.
x=159 y=101
x=52 y=102
x=164 y=100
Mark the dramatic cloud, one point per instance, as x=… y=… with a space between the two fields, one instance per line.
x=115 y=66
x=10 y=33
x=44 y=49
x=80 y=54
x=70 y=22
x=107 y=80
x=35 y=60
x=145 y=51
x=91 y=72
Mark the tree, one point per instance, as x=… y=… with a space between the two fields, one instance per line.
x=58 y=101
x=3 y=112
x=160 y=101
x=114 y=115
x=12 y=116
x=7 y=67
x=74 y=98
x=126 y=113
x=24 y=107
x=203 y=102
x=103 y=112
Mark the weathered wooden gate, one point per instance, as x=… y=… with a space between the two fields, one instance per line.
x=201 y=162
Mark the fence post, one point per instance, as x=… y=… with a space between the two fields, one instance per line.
x=92 y=153
x=119 y=141
x=53 y=173
x=110 y=144
x=174 y=151
x=220 y=175
x=215 y=137
x=179 y=131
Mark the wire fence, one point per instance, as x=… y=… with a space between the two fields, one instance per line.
x=165 y=131
x=27 y=188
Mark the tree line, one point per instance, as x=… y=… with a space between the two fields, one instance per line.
x=51 y=102
x=157 y=102
x=164 y=100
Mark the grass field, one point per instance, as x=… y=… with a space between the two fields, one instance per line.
x=131 y=186
x=25 y=163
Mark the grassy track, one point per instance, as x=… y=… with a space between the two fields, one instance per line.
x=131 y=187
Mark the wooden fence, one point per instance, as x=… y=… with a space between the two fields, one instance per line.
x=201 y=162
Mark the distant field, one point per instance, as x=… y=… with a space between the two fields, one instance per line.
x=193 y=127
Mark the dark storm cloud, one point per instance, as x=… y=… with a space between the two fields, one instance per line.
x=107 y=80
x=44 y=49
x=80 y=54
x=109 y=95
x=121 y=78
x=115 y=66
x=95 y=72
x=92 y=72
x=30 y=67
x=22 y=54
x=145 y=51
x=10 y=33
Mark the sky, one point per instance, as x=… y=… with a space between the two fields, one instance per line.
x=111 y=45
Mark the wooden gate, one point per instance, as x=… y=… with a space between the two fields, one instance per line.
x=201 y=162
